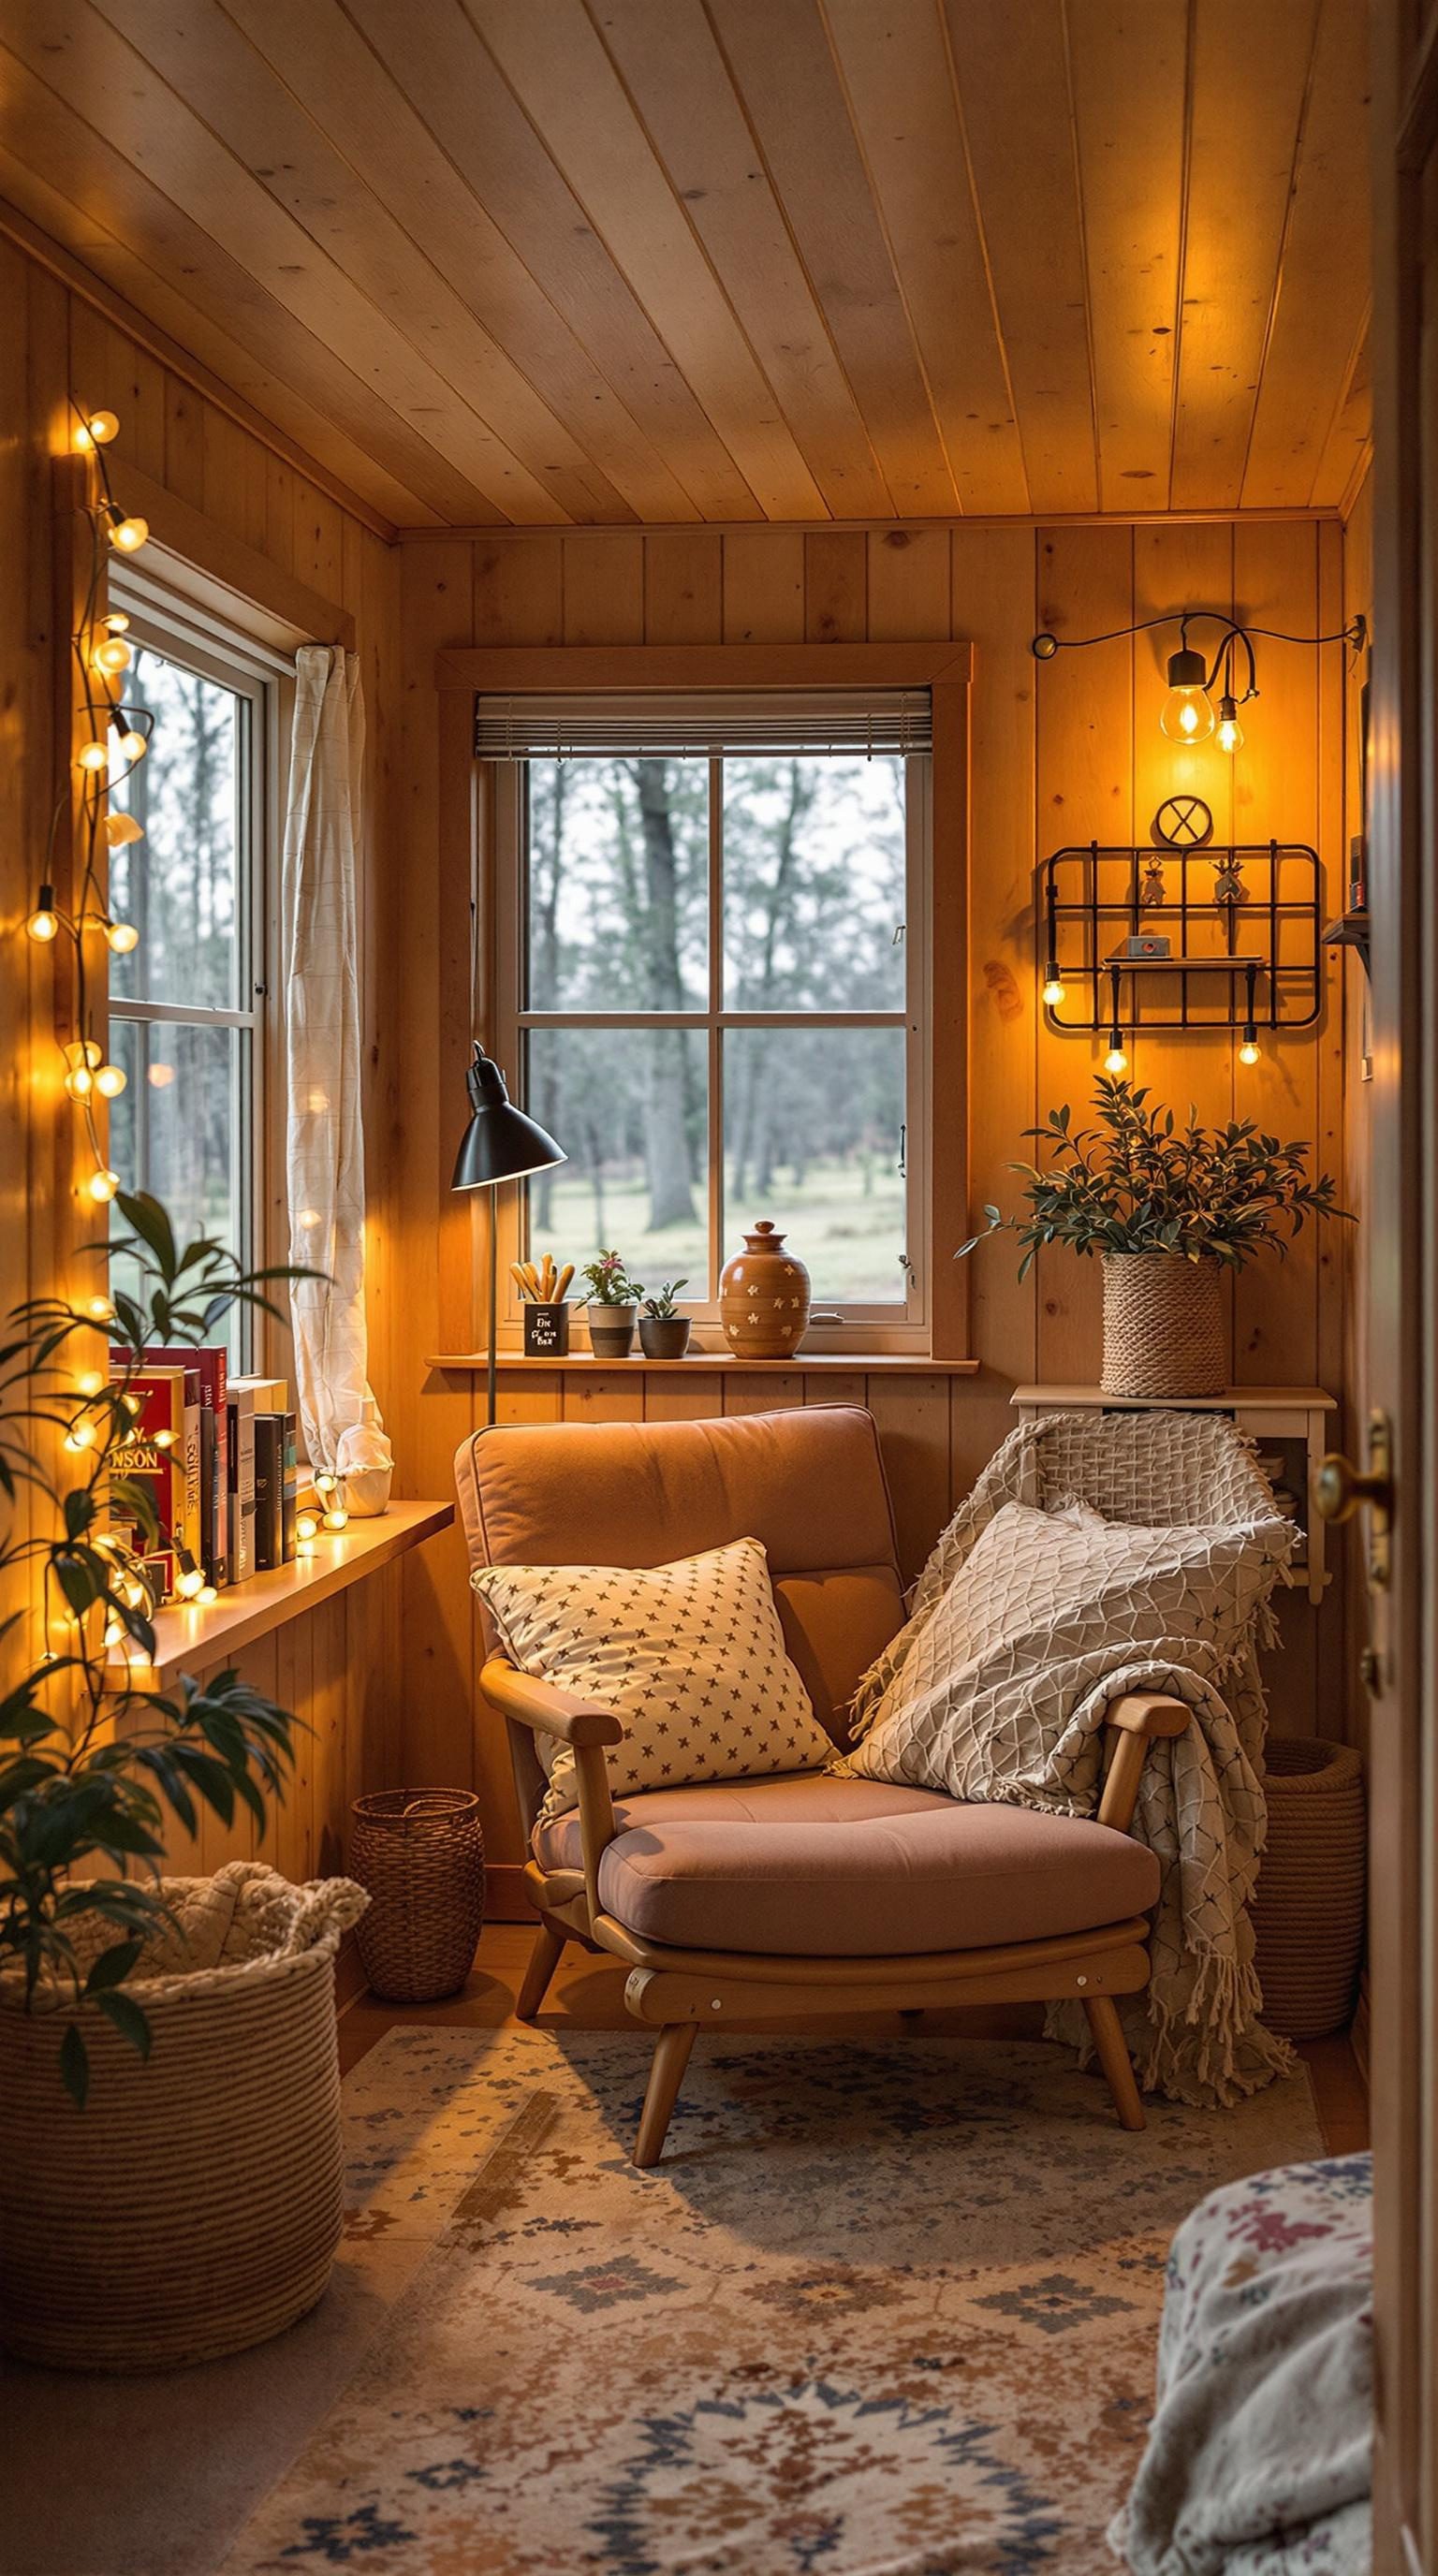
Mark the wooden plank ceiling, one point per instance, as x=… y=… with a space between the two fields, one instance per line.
x=602 y=261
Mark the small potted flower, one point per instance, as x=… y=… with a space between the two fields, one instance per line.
x=612 y=1299
x=663 y=1331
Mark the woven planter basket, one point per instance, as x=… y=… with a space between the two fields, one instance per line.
x=193 y=2207
x=420 y=1853
x=1308 y=1912
x=1163 y=1331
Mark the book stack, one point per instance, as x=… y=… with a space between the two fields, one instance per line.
x=218 y=1456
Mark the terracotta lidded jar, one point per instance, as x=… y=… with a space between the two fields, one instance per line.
x=764 y=1298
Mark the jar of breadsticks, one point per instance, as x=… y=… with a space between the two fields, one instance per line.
x=543 y=1291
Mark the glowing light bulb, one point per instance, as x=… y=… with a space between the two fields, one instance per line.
x=122 y=936
x=324 y=1484
x=1248 y=1052
x=103 y=1186
x=112 y=656
x=190 y=1584
x=110 y=1081
x=97 y=431
x=1230 y=731
x=1186 y=715
x=116 y=622
x=44 y=921
x=1116 y=1061
x=79 y=1082
x=206 y=1594
x=129 y=534
x=306 y=1525
x=337 y=1518
x=90 y=1383
x=120 y=828
x=94 y=756
x=81 y=1435
x=1053 y=988
x=99 y=1310
x=133 y=745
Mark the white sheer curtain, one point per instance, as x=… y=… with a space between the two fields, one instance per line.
x=325 y=1143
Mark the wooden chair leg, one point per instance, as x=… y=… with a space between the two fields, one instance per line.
x=1113 y=2057
x=666 y=2074
x=544 y=1958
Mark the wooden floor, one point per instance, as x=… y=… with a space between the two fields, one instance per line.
x=589 y=1992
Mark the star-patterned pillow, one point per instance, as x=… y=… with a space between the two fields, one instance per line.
x=690 y=1655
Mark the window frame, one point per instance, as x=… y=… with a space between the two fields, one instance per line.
x=895 y=1324
x=196 y=641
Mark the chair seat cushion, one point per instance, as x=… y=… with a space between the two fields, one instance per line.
x=816 y=1867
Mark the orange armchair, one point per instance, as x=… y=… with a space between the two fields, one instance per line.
x=765 y=1899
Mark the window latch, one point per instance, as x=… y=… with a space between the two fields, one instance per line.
x=899 y=930
x=903 y=1151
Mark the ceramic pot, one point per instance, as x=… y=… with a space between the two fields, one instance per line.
x=764 y=1298
x=611 y=1331
x=1163 y=1329
x=664 y=1337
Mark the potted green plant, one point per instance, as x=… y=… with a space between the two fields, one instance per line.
x=663 y=1331
x=168 y=2146
x=612 y=1299
x=1167 y=1208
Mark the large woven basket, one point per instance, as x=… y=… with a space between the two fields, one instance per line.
x=1308 y=1912
x=192 y=2208
x=420 y=1853
x=1163 y=1329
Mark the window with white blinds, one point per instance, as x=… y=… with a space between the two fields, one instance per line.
x=770 y=724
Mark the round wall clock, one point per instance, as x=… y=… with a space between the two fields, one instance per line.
x=1183 y=823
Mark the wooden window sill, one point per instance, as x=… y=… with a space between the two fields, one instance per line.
x=189 y=1639
x=802 y=1364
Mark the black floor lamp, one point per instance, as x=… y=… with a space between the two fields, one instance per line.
x=499 y=1144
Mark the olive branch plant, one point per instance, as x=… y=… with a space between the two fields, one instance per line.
x=88 y=1768
x=1141 y=1182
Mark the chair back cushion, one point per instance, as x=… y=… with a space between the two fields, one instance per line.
x=808 y=1482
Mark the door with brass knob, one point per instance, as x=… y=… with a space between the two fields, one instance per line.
x=1340 y=1489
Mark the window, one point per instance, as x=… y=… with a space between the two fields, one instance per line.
x=186 y=1003
x=719 y=965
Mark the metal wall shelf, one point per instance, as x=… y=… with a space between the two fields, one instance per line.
x=1254 y=957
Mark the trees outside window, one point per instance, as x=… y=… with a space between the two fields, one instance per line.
x=719 y=1003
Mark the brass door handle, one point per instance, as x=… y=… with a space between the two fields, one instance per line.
x=1340 y=1489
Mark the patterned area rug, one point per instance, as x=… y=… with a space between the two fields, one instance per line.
x=883 y=2310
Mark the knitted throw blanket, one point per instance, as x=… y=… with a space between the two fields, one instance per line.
x=996 y=1689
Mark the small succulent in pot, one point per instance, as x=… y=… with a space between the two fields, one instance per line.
x=612 y=1299
x=663 y=1331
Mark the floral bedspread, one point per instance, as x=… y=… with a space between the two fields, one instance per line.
x=1258 y=2460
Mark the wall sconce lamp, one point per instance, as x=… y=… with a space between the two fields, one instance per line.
x=1188 y=714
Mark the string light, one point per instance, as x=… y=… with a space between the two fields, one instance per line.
x=324 y=1483
x=81 y=1435
x=44 y=921
x=94 y=756
x=98 y=1309
x=190 y=1583
x=206 y=1594
x=134 y=745
x=112 y=656
x=97 y=431
x=90 y=1383
x=120 y=828
x=79 y=1082
x=103 y=1186
x=110 y=1081
x=115 y=622
x=306 y=1525
x=121 y=936
x=337 y=1518
x=128 y=534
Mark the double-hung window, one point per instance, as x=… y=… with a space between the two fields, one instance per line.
x=715 y=938
x=187 y=1001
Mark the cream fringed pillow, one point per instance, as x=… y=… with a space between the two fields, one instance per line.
x=690 y=1655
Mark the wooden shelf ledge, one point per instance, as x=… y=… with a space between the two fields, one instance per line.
x=187 y=1639
x=802 y=1364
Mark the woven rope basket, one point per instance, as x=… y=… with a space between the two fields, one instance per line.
x=193 y=2207
x=1163 y=1329
x=420 y=1852
x=1308 y=1912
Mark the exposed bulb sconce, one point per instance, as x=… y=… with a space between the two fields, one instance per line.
x=1116 y=1060
x=1187 y=715
x=1053 y=985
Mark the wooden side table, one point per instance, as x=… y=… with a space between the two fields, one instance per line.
x=1289 y=1423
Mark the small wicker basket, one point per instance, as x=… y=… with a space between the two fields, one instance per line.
x=420 y=1852
x=1163 y=1332
x=1308 y=1911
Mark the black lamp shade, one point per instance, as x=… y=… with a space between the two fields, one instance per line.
x=500 y=1143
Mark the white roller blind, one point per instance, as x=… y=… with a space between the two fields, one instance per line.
x=578 y=724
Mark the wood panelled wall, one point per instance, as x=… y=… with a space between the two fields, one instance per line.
x=251 y=519
x=1060 y=753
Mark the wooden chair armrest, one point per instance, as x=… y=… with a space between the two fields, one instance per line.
x=1147 y=1713
x=582 y=1725
x=545 y=1708
x=1134 y=1722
